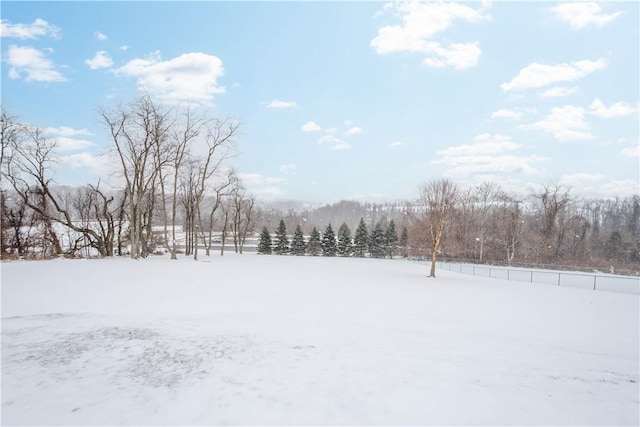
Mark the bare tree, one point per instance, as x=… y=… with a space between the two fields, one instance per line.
x=17 y=222
x=553 y=200
x=508 y=218
x=242 y=216
x=461 y=239
x=29 y=172
x=10 y=133
x=170 y=155
x=220 y=143
x=138 y=131
x=487 y=194
x=437 y=200
x=220 y=191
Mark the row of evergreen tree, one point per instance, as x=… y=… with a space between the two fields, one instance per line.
x=380 y=243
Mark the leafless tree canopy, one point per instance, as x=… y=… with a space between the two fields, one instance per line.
x=437 y=200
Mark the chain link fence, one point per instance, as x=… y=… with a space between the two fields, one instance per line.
x=600 y=282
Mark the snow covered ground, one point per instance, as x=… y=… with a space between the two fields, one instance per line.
x=275 y=340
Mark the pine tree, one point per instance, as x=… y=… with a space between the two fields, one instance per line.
x=345 y=247
x=391 y=239
x=264 y=247
x=282 y=242
x=314 y=247
x=329 y=245
x=404 y=242
x=297 y=243
x=376 y=242
x=361 y=240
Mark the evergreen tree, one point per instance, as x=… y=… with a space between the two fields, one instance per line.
x=282 y=242
x=314 y=247
x=361 y=240
x=264 y=247
x=345 y=248
x=404 y=242
x=298 y=246
x=329 y=245
x=391 y=239
x=376 y=242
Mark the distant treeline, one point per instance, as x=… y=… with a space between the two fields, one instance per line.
x=174 y=193
x=487 y=224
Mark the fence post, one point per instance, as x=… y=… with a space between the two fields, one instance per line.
x=594 y=281
x=508 y=271
x=558 y=279
x=531 y=276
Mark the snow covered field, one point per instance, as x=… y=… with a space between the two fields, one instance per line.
x=296 y=341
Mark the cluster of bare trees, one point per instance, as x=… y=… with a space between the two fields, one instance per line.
x=171 y=189
x=172 y=181
x=551 y=227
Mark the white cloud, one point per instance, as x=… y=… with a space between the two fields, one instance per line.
x=38 y=28
x=100 y=165
x=536 y=75
x=334 y=142
x=489 y=154
x=579 y=14
x=565 y=124
x=354 y=130
x=310 y=127
x=100 y=36
x=262 y=185
x=281 y=104
x=348 y=123
x=65 y=140
x=631 y=152
x=100 y=60
x=329 y=139
x=288 y=168
x=622 y=188
x=420 y=22
x=559 y=91
x=506 y=114
x=457 y=55
x=124 y=47
x=397 y=144
x=64 y=143
x=190 y=77
x=33 y=63
x=65 y=131
x=597 y=108
x=483 y=144
x=580 y=179
x=258 y=179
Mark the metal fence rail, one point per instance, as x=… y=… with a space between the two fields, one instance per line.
x=600 y=282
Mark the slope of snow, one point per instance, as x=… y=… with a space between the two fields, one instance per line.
x=274 y=340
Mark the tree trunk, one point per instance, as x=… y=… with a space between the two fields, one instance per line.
x=434 y=257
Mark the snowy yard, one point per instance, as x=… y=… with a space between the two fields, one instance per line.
x=274 y=340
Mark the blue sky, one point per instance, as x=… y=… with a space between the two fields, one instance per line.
x=347 y=100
